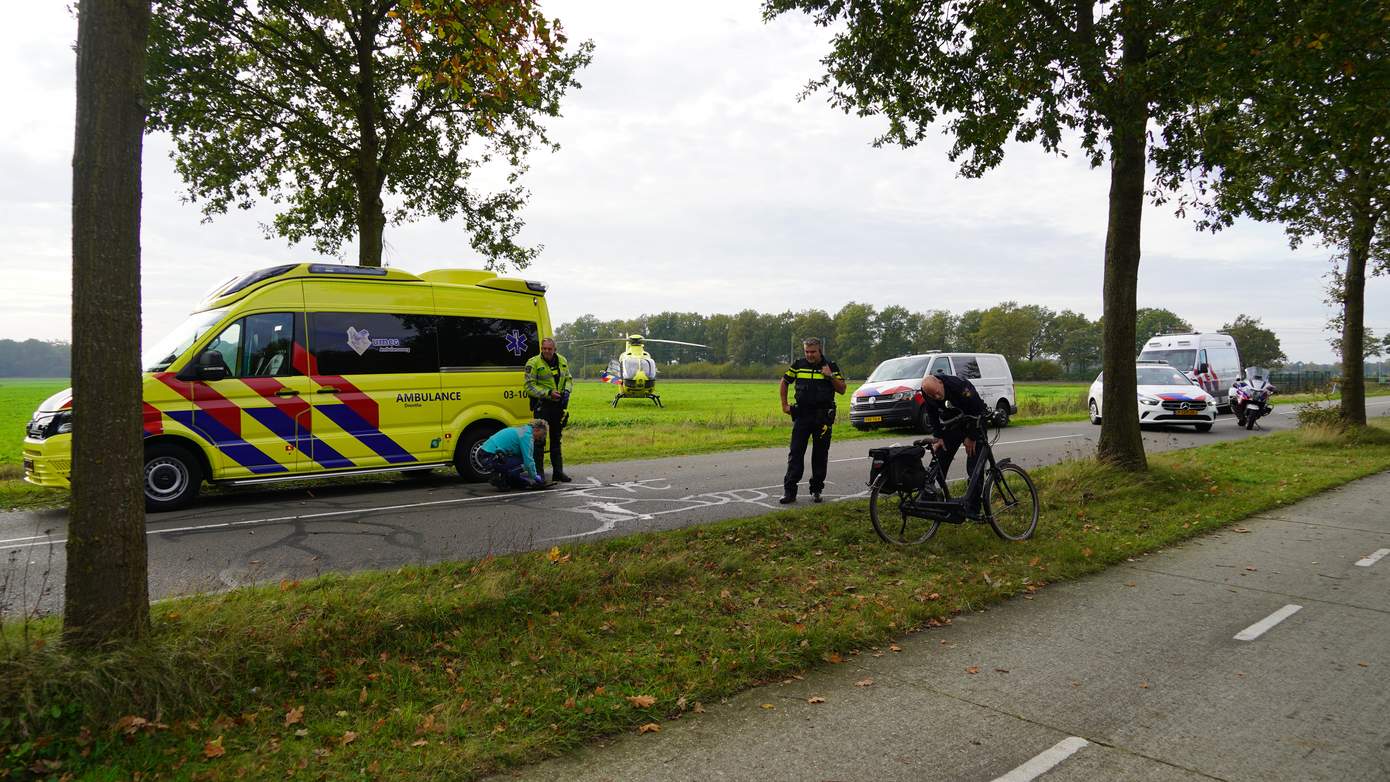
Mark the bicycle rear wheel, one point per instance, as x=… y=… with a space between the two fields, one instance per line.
x=893 y=524
x=1011 y=503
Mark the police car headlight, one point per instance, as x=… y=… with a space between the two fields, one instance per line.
x=901 y=395
x=1148 y=400
x=62 y=423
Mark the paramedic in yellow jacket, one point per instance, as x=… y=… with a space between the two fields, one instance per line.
x=548 y=384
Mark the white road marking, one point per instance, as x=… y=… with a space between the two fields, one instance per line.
x=1372 y=559
x=1045 y=761
x=46 y=541
x=1261 y=627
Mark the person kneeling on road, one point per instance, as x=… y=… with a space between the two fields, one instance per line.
x=946 y=398
x=509 y=455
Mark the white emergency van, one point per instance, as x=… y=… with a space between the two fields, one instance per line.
x=1209 y=360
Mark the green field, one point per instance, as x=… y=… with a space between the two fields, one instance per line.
x=19 y=398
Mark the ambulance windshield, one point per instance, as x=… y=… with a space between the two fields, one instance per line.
x=165 y=352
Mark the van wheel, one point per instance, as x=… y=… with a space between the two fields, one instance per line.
x=1001 y=413
x=172 y=477
x=466 y=454
x=1095 y=413
x=923 y=423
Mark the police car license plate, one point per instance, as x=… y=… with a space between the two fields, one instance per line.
x=1187 y=412
x=28 y=465
x=873 y=419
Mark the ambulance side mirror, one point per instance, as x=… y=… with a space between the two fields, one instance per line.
x=1202 y=369
x=209 y=365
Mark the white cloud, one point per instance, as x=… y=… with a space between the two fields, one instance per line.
x=690 y=178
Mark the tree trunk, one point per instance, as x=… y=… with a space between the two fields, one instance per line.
x=371 y=216
x=107 y=589
x=1121 y=442
x=1354 y=319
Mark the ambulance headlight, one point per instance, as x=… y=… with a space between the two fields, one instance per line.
x=62 y=423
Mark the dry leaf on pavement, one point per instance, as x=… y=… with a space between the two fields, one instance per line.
x=650 y=727
x=972 y=670
x=815 y=699
x=865 y=682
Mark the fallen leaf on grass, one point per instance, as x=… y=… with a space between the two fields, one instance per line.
x=555 y=557
x=865 y=682
x=286 y=584
x=650 y=727
x=214 y=749
x=815 y=699
x=347 y=738
x=419 y=743
x=302 y=732
x=698 y=708
x=641 y=701
x=972 y=670
x=294 y=716
x=1086 y=552
x=834 y=658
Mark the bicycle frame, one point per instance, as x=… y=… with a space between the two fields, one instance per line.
x=953 y=511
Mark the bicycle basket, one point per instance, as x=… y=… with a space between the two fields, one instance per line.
x=899 y=465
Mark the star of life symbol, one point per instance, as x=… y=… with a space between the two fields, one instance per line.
x=516 y=342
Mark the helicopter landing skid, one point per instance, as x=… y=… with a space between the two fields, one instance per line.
x=652 y=397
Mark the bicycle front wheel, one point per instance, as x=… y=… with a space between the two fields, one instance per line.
x=888 y=512
x=1011 y=503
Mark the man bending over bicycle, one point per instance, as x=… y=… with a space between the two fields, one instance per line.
x=947 y=398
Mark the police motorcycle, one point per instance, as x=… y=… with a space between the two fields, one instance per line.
x=1250 y=397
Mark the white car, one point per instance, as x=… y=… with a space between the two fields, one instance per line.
x=1166 y=396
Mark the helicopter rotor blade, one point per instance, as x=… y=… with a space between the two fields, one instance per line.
x=678 y=342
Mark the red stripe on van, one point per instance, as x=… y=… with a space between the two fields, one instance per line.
x=208 y=400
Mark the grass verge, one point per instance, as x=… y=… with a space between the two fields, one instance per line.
x=459 y=669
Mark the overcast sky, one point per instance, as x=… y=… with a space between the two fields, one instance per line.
x=689 y=178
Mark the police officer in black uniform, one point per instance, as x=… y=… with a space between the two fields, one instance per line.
x=817 y=381
x=947 y=398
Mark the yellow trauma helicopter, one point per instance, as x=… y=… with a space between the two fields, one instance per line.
x=634 y=371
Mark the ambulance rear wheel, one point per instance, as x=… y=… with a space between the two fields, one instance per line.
x=172 y=477
x=466 y=455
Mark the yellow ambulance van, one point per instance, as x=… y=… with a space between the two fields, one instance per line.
x=317 y=370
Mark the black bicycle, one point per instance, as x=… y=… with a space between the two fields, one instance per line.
x=908 y=502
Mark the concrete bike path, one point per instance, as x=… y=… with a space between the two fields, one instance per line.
x=1136 y=673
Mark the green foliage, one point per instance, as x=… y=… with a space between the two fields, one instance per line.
x=1258 y=346
x=1152 y=321
x=856 y=334
x=322 y=108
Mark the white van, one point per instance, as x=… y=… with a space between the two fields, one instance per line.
x=892 y=396
x=1209 y=360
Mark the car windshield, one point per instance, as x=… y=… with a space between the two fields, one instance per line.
x=1160 y=376
x=1182 y=359
x=913 y=367
x=159 y=356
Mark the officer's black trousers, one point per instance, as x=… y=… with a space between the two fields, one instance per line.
x=951 y=443
x=551 y=413
x=808 y=427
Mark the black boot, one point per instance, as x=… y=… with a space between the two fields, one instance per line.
x=557 y=471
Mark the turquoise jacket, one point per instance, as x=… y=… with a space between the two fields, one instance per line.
x=515 y=441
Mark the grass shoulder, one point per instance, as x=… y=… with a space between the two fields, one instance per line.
x=460 y=669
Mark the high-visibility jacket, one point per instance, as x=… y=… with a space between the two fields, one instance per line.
x=813 y=388
x=541 y=379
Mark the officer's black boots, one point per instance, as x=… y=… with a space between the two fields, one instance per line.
x=787 y=499
x=561 y=477
x=815 y=496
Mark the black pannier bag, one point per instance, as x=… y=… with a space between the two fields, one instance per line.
x=900 y=466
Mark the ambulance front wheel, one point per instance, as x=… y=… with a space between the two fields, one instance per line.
x=172 y=477
x=466 y=456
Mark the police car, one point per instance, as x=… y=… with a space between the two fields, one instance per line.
x=1166 y=396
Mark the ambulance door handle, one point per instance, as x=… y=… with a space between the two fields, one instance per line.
x=287 y=392
x=329 y=390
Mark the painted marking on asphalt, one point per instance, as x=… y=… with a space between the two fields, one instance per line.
x=44 y=541
x=1261 y=627
x=1045 y=761
x=1372 y=559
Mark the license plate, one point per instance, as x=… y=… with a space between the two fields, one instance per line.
x=28 y=465
x=873 y=419
x=1187 y=412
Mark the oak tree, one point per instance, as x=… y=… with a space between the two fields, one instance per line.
x=106 y=588
x=351 y=115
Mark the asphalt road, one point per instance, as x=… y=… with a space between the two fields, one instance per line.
x=261 y=534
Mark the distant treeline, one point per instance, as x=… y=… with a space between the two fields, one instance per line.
x=32 y=358
x=1039 y=343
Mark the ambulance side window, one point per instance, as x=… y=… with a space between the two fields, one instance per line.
x=1202 y=359
x=228 y=343
x=373 y=343
x=268 y=346
x=486 y=342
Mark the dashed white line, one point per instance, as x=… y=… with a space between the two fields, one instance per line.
x=1372 y=559
x=1046 y=761
x=1261 y=627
